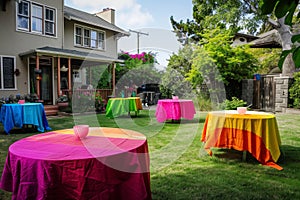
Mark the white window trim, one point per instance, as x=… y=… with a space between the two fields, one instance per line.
x=31 y=17
x=29 y=30
x=2 y=75
x=90 y=39
x=50 y=21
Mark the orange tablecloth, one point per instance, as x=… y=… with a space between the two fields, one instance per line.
x=255 y=132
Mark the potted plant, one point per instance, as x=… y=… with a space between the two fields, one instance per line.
x=62 y=101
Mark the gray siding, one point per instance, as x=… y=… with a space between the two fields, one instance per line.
x=14 y=42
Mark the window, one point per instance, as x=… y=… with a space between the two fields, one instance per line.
x=76 y=76
x=36 y=18
x=50 y=22
x=86 y=37
x=89 y=38
x=7 y=75
x=23 y=15
x=101 y=40
x=94 y=39
x=78 y=36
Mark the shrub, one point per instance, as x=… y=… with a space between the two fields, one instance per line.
x=232 y=104
x=295 y=90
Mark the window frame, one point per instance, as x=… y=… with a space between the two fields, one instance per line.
x=31 y=18
x=52 y=22
x=23 y=15
x=39 y=18
x=2 y=74
x=83 y=37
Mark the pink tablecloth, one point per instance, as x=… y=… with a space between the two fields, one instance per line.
x=174 y=109
x=55 y=165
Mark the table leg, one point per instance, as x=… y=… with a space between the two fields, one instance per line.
x=244 y=155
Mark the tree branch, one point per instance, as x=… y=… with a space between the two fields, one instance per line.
x=251 y=6
x=274 y=23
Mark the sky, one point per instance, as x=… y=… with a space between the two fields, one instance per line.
x=148 y=16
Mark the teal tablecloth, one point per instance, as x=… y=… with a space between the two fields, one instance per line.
x=17 y=115
x=120 y=106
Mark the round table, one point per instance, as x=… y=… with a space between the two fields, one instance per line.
x=174 y=109
x=120 y=106
x=255 y=132
x=110 y=163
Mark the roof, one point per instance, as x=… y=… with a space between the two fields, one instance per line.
x=91 y=19
x=270 y=39
x=250 y=37
x=70 y=53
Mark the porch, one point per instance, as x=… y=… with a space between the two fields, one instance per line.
x=54 y=72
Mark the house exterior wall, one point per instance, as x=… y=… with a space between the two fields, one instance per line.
x=110 y=41
x=14 y=42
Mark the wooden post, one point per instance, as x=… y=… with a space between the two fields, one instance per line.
x=58 y=76
x=114 y=79
x=38 y=81
x=69 y=75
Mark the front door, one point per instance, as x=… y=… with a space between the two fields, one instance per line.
x=45 y=78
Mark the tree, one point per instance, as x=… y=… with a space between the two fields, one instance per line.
x=217 y=58
x=236 y=15
x=284 y=12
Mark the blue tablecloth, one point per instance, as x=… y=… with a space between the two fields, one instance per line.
x=17 y=115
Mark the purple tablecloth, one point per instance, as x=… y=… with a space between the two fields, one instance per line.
x=174 y=109
x=56 y=165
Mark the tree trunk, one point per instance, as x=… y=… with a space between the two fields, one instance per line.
x=284 y=31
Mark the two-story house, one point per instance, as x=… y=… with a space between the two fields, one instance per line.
x=47 y=48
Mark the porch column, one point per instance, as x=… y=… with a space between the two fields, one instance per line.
x=114 y=78
x=58 y=76
x=37 y=64
x=69 y=75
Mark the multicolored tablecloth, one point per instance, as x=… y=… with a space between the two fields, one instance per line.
x=120 y=106
x=171 y=109
x=17 y=115
x=255 y=132
x=110 y=163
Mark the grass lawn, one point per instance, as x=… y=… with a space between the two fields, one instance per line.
x=181 y=169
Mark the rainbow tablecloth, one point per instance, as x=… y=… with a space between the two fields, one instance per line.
x=174 y=109
x=120 y=106
x=109 y=163
x=255 y=132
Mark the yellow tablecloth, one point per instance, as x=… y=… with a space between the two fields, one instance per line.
x=255 y=132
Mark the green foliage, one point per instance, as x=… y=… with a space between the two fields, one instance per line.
x=232 y=104
x=234 y=15
x=267 y=58
x=295 y=90
x=204 y=103
x=232 y=63
x=134 y=61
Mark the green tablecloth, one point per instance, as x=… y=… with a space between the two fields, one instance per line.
x=120 y=106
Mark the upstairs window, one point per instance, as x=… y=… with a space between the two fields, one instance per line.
x=36 y=18
x=23 y=15
x=50 y=21
x=7 y=72
x=89 y=38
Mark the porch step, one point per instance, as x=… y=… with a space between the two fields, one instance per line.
x=51 y=110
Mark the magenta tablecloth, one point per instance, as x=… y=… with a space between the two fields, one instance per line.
x=174 y=109
x=59 y=166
